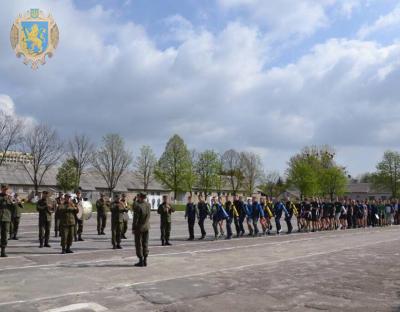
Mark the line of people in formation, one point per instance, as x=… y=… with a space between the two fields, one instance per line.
x=314 y=214
x=257 y=216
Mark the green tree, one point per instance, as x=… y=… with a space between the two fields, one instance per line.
x=314 y=172
x=208 y=168
x=303 y=176
x=173 y=166
x=333 y=181
x=66 y=175
x=388 y=173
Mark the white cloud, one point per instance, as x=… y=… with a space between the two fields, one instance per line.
x=384 y=22
x=284 y=18
x=7 y=106
x=214 y=89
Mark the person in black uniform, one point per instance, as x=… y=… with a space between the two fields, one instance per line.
x=241 y=209
x=191 y=214
x=314 y=214
x=307 y=214
x=203 y=211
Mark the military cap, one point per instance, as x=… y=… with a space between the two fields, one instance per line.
x=67 y=195
x=142 y=194
x=45 y=192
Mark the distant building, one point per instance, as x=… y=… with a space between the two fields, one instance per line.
x=92 y=183
x=361 y=191
x=16 y=157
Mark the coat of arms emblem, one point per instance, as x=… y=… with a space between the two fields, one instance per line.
x=34 y=36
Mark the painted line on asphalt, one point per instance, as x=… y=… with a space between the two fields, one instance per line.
x=95 y=307
x=55 y=265
x=184 y=276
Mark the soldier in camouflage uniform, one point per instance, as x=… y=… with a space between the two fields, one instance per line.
x=57 y=216
x=6 y=207
x=45 y=207
x=125 y=222
x=101 y=207
x=140 y=228
x=78 y=230
x=165 y=210
x=67 y=223
x=15 y=216
x=117 y=221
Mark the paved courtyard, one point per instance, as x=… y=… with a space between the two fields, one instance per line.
x=354 y=270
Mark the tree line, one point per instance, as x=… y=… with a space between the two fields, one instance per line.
x=313 y=171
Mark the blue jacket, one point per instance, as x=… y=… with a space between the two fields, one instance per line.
x=249 y=210
x=278 y=209
x=257 y=211
x=221 y=214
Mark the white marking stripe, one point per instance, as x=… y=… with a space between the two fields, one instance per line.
x=230 y=269
x=330 y=235
x=79 y=306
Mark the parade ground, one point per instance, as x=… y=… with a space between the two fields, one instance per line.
x=353 y=270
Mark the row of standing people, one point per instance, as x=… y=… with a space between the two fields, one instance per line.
x=313 y=214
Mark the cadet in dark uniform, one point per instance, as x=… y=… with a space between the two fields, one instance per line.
x=68 y=210
x=165 y=210
x=191 y=213
x=241 y=209
x=5 y=217
x=57 y=216
x=101 y=208
x=140 y=228
x=15 y=216
x=117 y=221
x=45 y=208
x=126 y=218
x=79 y=223
x=204 y=211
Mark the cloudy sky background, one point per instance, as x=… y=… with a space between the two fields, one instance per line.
x=266 y=76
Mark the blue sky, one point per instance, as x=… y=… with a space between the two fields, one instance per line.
x=266 y=76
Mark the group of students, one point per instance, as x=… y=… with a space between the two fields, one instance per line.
x=313 y=214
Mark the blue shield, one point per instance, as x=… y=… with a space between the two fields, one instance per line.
x=35 y=37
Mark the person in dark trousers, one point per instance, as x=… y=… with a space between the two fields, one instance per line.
x=165 y=210
x=203 y=211
x=257 y=213
x=232 y=216
x=279 y=208
x=241 y=209
x=292 y=210
x=190 y=215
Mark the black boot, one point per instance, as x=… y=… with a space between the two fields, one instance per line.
x=3 y=252
x=63 y=251
x=119 y=246
x=40 y=243
x=145 y=261
x=68 y=250
x=167 y=243
x=162 y=243
x=55 y=234
x=140 y=263
x=124 y=237
x=15 y=237
x=46 y=244
x=80 y=238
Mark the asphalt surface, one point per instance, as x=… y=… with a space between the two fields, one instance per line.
x=353 y=270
